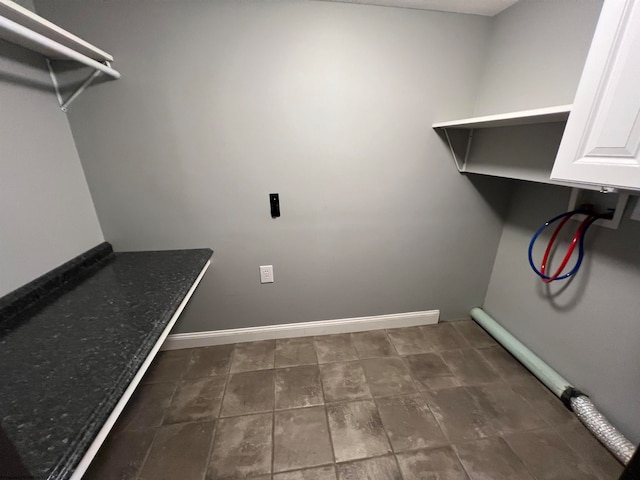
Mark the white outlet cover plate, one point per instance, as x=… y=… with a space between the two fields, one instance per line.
x=266 y=273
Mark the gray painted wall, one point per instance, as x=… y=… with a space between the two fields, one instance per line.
x=328 y=104
x=587 y=329
x=536 y=54
x=46 y=212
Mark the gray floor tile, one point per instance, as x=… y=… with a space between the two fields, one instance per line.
x=291 y=352
x=409 y=423
x=301 y=439
x=241 y=448
x=591 y=451
x=410 y=340
x=474 y=334
x=249 y=392
x=335 y=348
x=344 y=381
x=383 y=468
x=179 y=451
x=298 y=387
x=500 y=398
x=196 y=400
x=443 y=336
x=545 y=403
x=503 y=362
x=372 y=344
x=491 y=459
x=318 y=473
x=253 y=356
x=147 y=407
x=167 y=366
x=430 y=371
x=437 y=463
x=387 y=376
x=458 y=414
x=504 y=409
x=121 y=456
x=549 y=457
x=469 y=367
x=209 y=361
x=356 y=430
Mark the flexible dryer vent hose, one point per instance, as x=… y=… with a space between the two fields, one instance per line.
x=575 y=400
x=611 y=438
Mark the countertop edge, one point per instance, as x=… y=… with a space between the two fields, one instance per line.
x=36 y=297
x=101 y=436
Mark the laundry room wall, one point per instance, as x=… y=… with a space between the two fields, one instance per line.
x=46 y=213
x=328 y=104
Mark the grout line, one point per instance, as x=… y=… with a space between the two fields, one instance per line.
x=273 y=414
x=146 y=456
x=173 y=394
x=455 y=452
x=526 y=467
x=393 y=345
x=326 y=417
x=419 y=391
x=372 y=457
x=157 y=430
x=384 y=429
x=210 y=450
x=273 y=438
x=587 y=461
x=353 y=345
x=299 y=469
x=218 y=417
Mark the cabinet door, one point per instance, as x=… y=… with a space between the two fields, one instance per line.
x=601 y=143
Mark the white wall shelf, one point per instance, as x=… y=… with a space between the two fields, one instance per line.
x=526 y=117
x=26 y=29
x=518 y=145
x=36 y=23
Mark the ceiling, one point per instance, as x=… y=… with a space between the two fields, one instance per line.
x=475 y=7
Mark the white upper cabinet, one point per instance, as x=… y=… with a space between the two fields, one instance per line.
x=601 y=142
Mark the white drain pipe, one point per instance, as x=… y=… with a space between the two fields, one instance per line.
x=573 y=399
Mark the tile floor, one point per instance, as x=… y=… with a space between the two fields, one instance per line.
x=435 y=402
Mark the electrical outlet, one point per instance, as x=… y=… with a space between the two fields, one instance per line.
x=266 y=274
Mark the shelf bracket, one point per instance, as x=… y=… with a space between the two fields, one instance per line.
x=64 y=104
x=461 y=163
x=54 y=81
x=469 y=141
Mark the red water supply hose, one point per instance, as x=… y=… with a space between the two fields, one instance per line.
x=572 y=246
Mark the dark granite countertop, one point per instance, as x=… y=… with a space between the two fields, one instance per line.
x=71 y=344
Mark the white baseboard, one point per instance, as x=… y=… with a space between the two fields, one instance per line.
x=306 y=329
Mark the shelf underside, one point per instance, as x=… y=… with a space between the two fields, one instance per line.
x=522 y=152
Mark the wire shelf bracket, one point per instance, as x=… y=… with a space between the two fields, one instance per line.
x=64 y=104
